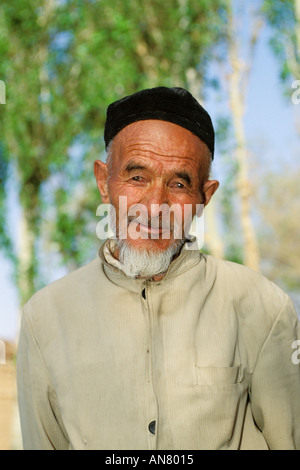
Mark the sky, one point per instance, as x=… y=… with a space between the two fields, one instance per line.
x=270 y=124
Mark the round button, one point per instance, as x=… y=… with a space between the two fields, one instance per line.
x=151 y=427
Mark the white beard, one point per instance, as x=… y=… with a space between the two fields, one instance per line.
x=146 y=264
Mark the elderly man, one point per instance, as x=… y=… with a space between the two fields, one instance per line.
x=154 y=345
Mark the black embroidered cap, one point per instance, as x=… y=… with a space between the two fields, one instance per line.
x=174 y=105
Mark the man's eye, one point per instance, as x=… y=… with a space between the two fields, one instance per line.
x=137 y=178
x=179 y=185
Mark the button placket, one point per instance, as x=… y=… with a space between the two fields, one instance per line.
x=151 y=425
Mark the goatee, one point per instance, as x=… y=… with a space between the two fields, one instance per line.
x=145 y=263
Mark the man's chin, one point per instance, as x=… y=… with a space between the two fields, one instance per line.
x=147 y=260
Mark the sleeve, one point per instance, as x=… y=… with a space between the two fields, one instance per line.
x=41 y=423
x=275 y=389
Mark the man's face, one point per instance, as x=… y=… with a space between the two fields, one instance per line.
x=155 y=165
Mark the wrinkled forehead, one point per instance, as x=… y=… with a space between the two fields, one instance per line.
x=159 y=138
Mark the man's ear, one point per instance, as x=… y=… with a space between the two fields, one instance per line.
x=209 y=188
x=101 y=175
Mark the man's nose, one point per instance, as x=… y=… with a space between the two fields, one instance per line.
x=156 y=200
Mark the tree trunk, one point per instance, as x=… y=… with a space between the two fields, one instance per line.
x=26 y=258
x=213 y=240
x=237 y=77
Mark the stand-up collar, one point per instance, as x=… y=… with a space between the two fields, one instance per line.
x=186 y=259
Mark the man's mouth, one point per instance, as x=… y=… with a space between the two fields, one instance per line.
x=150 y=230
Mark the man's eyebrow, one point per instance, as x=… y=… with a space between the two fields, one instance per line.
x=185 y=176
x=134 y=166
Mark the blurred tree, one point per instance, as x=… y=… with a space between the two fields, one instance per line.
x=282 y=224
x=238 y=75
x=279 y=230
x=62 y=63
x=284 y=18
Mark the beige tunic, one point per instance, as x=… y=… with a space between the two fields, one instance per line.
x=204 y=355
